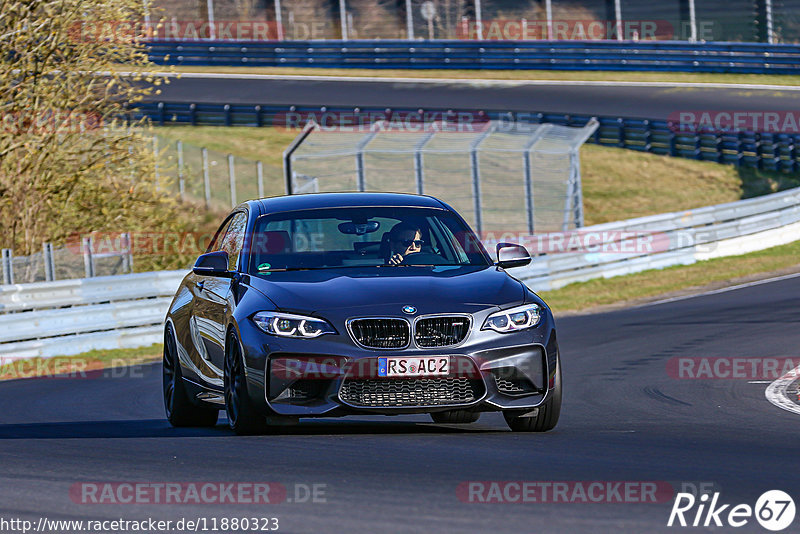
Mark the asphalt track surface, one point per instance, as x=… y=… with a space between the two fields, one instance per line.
x=651 y=101
x=624 y=419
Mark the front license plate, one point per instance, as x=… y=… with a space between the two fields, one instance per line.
x=402 y=366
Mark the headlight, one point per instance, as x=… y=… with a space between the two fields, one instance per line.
x=288 y=325
x=514 y=319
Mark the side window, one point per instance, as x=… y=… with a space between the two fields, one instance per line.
x=234 y=239
x=215 y=244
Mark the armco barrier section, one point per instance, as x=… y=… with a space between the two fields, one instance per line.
x=551 y=55
x=68 y=317
x=768 y=151
x=681 y=238
x=71 y=316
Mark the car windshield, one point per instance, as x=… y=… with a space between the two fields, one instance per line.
x=333 y=238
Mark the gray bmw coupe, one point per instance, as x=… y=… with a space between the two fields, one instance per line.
x=336 y=304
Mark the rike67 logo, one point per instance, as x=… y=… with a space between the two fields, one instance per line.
x=774 y=510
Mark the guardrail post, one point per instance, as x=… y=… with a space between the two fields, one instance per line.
x=232 y=179
x=127 y=252
x=49 y=265
x=88 y=257
x=260 y=176
x=206 y=178
x=181 y=181
x=8 y=266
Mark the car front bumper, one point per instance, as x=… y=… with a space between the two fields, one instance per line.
x=318 y=377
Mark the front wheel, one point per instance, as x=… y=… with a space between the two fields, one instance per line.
x=547 y=414
x=243 y=416
x=180 y=410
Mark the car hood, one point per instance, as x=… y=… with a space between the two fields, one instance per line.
x=388 y=289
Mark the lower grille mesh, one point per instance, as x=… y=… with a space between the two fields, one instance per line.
x=378 y=392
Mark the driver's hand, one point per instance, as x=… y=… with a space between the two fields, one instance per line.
x=396 y=259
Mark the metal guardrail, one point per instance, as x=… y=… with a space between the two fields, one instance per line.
x=66 y=317
x=684 y=56
x=681 y=238
x=767 y=151
x=72 y=316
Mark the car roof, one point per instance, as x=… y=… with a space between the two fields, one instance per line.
x=342 y=200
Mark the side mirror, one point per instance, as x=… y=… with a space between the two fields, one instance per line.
x=212 y=264
x=511 y=255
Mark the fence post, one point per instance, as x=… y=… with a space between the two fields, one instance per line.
x=8 y=266
x=260 y=175
x=343 y=19
x=419 y=167
x=409 y=21
x=577 y=191
x=212 y=30
x=548 y=8
x=361 y=178
x=479 y=19
x=476 y=179
x=206 y=179
x=540 y=132
x=155 y=158
x=88 y=257
x=181 y=181
x=232 y=179
x=49 y=265
x=279 y=19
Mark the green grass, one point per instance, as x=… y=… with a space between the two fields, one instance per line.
x=79 y=364
x=622 y=289
x=701 y=77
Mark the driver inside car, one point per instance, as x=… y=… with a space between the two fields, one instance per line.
x=404 y=239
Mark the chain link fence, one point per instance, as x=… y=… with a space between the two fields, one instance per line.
x=730 y=20
x=501 y=176
x=218 y=180
x=83 y=259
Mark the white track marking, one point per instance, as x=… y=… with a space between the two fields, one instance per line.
x=721 y=290
x=776 y=392
x=461 y=81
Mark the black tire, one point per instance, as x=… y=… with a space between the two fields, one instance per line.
x=458 y=417
x=177 y=404
x=243 y=417
x=547 y=418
